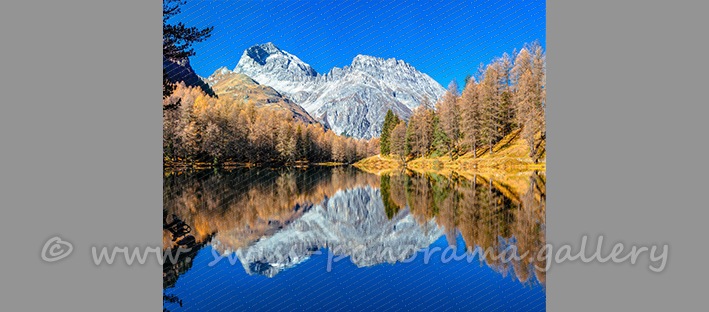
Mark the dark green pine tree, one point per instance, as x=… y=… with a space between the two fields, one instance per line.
x=440 y=138
x=386 y=129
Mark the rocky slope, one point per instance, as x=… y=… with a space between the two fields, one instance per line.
x=182 y=71
x=352 y=222
x=352 y=100
x=239 y=86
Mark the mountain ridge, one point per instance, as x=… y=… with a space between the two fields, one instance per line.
x=351 y=100
x=226 y=83
x=181 y=71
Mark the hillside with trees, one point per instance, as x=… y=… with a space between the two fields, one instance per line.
x=247 y=124
x=226 y=83
x=201 y=129
x=500 y=113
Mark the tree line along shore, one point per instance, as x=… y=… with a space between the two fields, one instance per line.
x=497 y=121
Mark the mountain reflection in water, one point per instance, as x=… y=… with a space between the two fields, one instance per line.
x=300 y=211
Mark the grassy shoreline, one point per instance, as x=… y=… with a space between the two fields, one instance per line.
x=510 y=155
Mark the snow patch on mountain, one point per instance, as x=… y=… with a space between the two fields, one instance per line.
x=353 y=222
x=353 y=99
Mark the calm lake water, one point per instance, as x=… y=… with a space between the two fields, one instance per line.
x=340 y=239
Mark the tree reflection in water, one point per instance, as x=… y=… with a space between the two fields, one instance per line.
x=490 y=213
x=240 y=207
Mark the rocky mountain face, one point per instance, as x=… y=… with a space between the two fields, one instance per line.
x=352 y=100
x=239 y=86
x=352 y=222
x=182 y=71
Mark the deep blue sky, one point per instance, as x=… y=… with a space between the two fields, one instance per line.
x=444 y=39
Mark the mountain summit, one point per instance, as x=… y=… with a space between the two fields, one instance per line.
x=269 y=58
x=352 y=100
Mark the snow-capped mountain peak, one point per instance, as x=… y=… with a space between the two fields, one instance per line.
x=270 y=58
x=352 y=100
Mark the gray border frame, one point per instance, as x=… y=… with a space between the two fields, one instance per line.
x=80 y=81
x=624 y=130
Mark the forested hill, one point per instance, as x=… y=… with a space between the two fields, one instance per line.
x=241 y=87
x=505 y=100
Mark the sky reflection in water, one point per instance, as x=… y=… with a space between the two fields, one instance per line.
x=242 y=208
